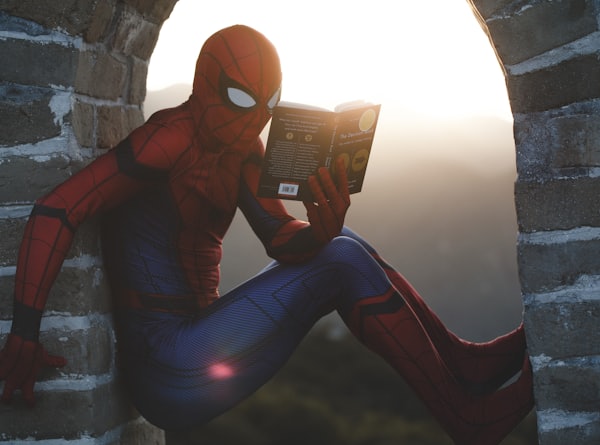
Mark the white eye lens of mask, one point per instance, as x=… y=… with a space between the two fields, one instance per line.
x=274 y=99
x=240 y=98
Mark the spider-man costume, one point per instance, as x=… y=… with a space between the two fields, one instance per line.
x=167 y=194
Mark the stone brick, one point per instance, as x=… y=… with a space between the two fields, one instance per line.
x=487 y=8
x=137 y=83
x=572 y=385
x=519 y=37
x=25 y=180
x=100 y=21
x=563 y=142
x=55 y=64
x=54 y=416
x=89 y=352
x=72 y=16
x=571 y=81
x=100 y=75
x=12 y=232
x=142 y=433
x=26 y=115
x=76 y=292
x=84 y=123
x=115 y=123
x=559 y=204
x=156 y=12
x=562 y=330
x=587 y=434
x=135 y=36
x=545 y=267
x=85 y=241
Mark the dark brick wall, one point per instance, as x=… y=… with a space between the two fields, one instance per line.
x=74 y=87
x=550 y=51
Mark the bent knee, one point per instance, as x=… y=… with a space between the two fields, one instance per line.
x=343 y=248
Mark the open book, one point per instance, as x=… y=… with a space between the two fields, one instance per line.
x=303 y=138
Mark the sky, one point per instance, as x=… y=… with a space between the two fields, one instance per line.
x=420 y=58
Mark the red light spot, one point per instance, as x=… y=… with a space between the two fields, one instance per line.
x=221 y=371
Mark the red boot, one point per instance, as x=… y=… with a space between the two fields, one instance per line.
x=482 y=367
x=389 y=327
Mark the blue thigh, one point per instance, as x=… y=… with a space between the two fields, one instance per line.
x=185 y=370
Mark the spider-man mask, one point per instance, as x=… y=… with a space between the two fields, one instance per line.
x=236 y=86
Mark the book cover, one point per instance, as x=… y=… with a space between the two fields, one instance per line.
x=303 y=138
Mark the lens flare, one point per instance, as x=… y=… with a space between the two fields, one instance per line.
x=221 y=371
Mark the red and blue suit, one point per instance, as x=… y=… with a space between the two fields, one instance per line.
x=167 y=195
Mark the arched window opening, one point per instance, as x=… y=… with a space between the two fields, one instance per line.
x=438 y=198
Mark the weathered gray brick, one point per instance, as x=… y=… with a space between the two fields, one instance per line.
x=72 y=16
x=100 y=75
x=545 y=267
x=558 y=204
x=155 y=11
x=97 y=411
x=89 y=351
x=84 y=123
x=571 y=385
x=487 y=8
x=24 y=180
x=586 y=434
x=137 y=87
x=564 y=142
x=135 y=36
x=55 y=64
x=573 y=80
x=562 y=330
x=519 y=36
x=26 y=115
x=115 y=123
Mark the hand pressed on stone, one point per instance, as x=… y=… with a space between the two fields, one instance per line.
x=20 y=363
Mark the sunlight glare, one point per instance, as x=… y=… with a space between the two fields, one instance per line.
x=425 y=58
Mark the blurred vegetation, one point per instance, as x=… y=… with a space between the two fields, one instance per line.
x=332 y=392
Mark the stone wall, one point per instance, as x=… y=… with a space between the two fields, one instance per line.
x=72 y=83
x=550 y=51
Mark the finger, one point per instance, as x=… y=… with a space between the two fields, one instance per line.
x=317 y=191
x=342 y=175
x=327 y=184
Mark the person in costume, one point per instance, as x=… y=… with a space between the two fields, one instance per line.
x=167 y=195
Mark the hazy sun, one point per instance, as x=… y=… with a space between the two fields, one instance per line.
x=428 y=58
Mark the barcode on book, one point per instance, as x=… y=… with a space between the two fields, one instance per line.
x=286 y=189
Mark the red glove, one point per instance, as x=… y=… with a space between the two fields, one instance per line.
x=326 y=214
x=20 y=363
